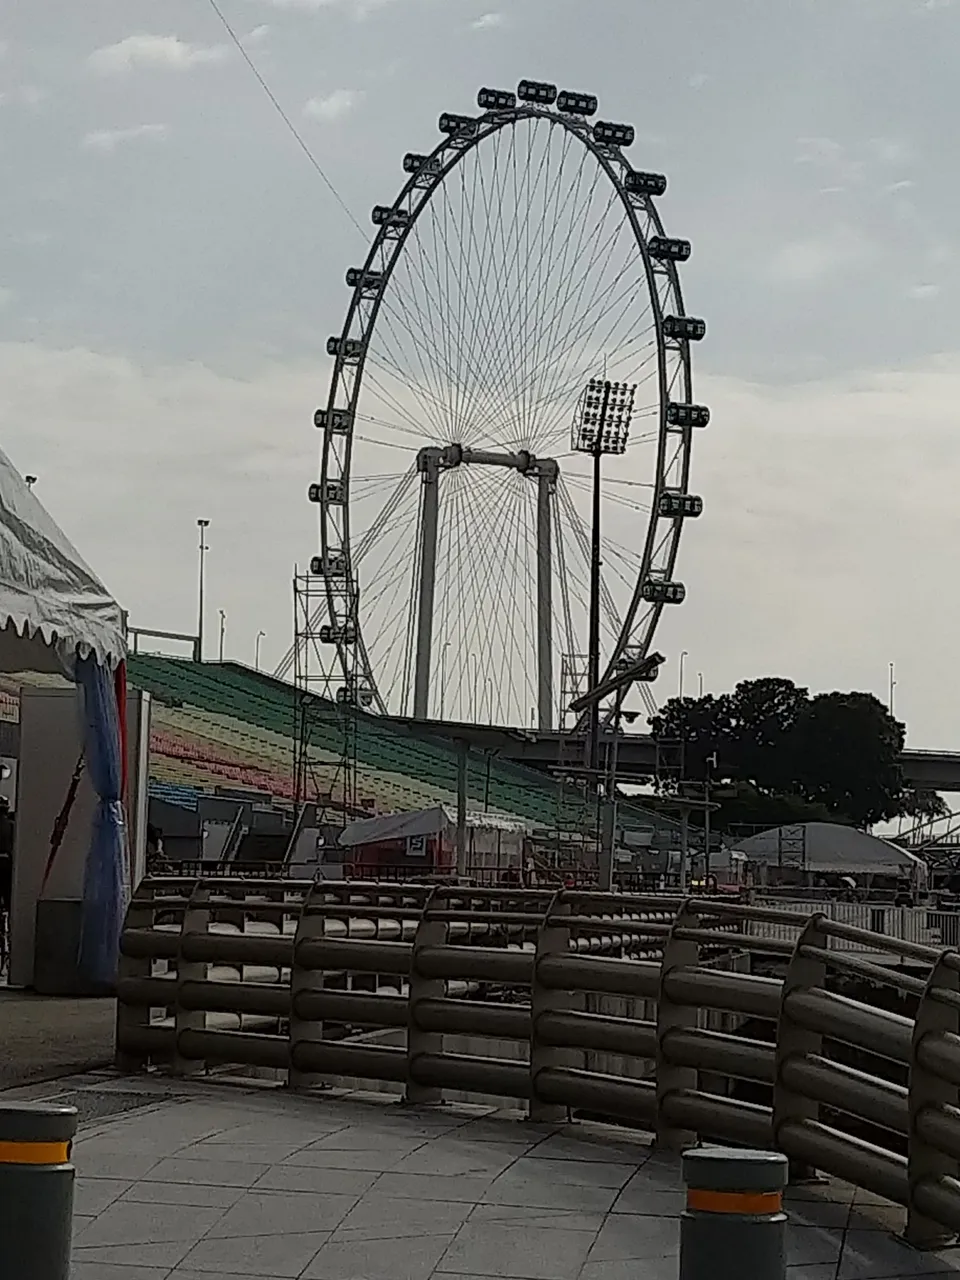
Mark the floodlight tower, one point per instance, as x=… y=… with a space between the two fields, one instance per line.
x=601 y=426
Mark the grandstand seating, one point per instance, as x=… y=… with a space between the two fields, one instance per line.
x=223 y=724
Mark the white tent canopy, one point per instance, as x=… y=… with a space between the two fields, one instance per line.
x=829 y=847
x=53 y=607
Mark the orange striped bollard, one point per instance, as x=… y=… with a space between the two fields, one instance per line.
x=734 y=1225
x=36 y=1190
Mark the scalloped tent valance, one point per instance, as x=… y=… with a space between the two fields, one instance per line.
x=53 y=607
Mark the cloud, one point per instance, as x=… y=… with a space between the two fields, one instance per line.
x=808 y=261
x=923 y=292
x=109 y=139
x=25 y=95
x=826 y=530
x=334 y=106
x=360 y=8
x=487 y=21
x=167 y=53
x=830 y=157
x=7 y=296
x=257 y=35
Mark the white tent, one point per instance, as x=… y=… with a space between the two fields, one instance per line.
x=829 y=847
x=53 y=607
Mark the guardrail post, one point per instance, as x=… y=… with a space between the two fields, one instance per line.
x=430 y=933
x=36 y=1190
x=677 y=954
x=803 y=972
x=303 y=980
x=140 y=915
x=196 y=919
x=928 y=1090
x=553 y=938
x=734 y=1224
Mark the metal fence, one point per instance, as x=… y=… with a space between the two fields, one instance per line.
x=677 y=1016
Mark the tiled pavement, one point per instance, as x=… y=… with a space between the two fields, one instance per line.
x=219 y=1182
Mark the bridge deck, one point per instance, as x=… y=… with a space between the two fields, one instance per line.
x=198 y=1181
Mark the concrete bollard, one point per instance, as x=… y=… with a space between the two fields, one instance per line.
x=36 y=1190
x=734 y=1224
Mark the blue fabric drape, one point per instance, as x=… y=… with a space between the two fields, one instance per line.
x=104 y=878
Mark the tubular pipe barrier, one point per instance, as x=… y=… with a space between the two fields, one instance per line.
x=643 y=1009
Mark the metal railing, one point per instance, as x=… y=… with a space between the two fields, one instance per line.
x=678 y=1016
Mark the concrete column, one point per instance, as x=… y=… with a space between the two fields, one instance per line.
x=546 y=480
x=430 y=477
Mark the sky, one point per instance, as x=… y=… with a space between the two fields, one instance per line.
x=171 y=264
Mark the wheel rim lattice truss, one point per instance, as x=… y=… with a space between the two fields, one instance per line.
x=674 y=379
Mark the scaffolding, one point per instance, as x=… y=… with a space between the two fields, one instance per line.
x=329 y=694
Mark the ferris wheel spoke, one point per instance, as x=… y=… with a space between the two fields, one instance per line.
x=526 y=287
x=383 y=521
x=582 y=537
x=551 y=328
x=582 y=331
x=483 y=317
x=557 y=358
x=569 y=636
x=456 y=576
x=387 y=397
x=490 y=624
x=390 y=361
x=466 y=304
x=475 y=571
x=569 y=291
x=443 y=345
x=436 y=377
x=455 y=264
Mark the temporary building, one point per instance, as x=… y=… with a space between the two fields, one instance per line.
x=425 y=841
x=827 y=848
x=56 y=616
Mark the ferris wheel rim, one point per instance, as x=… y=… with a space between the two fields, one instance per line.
x=447 y=155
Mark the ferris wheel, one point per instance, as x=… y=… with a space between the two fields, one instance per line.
x=519 y=309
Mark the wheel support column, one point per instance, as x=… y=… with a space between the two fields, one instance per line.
x=430 y=488
x=546 y=484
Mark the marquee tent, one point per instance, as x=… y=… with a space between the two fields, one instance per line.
x=57 y=616
x=827 y=847
x=53 y=607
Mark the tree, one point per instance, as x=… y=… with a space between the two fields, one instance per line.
x=832 y=757
x=742 y=805
x=746 y=730
x=844 y=752
x=763 y=715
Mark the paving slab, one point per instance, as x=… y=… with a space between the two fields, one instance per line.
x=204 y=1180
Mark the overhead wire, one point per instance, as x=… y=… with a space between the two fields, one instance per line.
x=295 y=132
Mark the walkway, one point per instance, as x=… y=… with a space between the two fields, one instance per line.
x=220 y=1182
x=44 y=1037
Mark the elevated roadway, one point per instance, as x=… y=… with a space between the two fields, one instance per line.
x=637 y=755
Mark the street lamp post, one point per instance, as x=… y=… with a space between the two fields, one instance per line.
x=893 y=685
x=710 y=764
x=683 y=658
x=699 y=684
x=203 y=526
x=601 y=425
x=256 y=662
x=223 y=631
